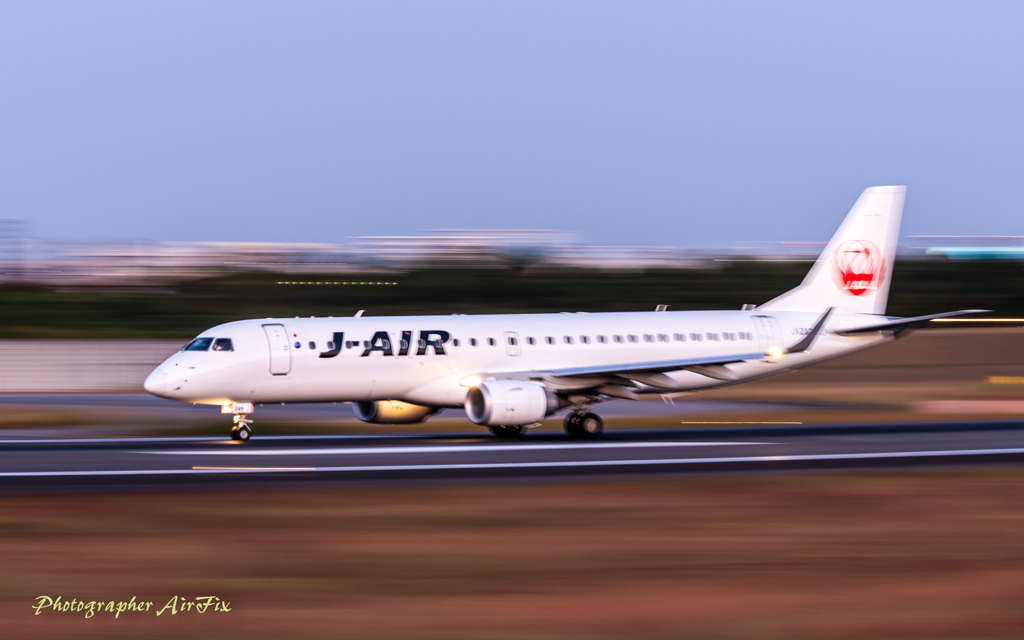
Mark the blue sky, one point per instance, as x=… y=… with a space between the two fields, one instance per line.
x=686 y=124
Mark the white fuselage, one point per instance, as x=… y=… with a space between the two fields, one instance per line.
x=280 y=360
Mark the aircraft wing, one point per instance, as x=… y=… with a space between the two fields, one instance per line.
x=656 y=366
x=611 y=377
x=899 y=324
x=661 y=366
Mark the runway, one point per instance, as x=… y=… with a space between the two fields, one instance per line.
x=128 y=462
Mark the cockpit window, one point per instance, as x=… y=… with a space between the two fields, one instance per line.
x=224 y=344
x=199 y=344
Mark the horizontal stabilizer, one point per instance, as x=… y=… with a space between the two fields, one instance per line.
x=899 y=324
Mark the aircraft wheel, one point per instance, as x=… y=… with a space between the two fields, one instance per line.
x=572 y=425
x=584 y=425
x=507 y=432
x=241 y=433
x=591 y=425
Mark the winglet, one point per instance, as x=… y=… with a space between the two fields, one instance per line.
x=808 y=340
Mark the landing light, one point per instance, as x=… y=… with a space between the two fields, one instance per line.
x=471 y=381
x=775 y=352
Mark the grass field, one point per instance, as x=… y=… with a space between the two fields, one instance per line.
x=872 y=555
x=189 y=307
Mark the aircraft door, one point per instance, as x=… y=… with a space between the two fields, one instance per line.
x=769 y=333
x=512 y=346
x=280 y=350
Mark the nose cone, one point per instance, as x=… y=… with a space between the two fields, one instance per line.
x=156 y=383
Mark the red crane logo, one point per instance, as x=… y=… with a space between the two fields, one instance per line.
x=858 y=266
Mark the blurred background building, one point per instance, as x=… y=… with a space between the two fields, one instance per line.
x=90 y=263
x=64 y=263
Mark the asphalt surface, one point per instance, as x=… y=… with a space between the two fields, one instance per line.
x=140 y=462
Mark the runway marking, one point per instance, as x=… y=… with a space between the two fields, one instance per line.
x=531 y=465
x=124 y=439
x=254 y=468
x=448 y=448
x=37 y=440
x=734 y=422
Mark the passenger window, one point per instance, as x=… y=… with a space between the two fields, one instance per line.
x=512 y=341
x=617 y=338
x=530 y=341
x=602 y=339
x=648 y=337
x=490 y=341
x=224 y=344
x=472 y=342
x=312 y=346
x=422 y=344
x=366 y=344
x=199 y=344
x=698 y=337
x=632 y=338
x=455 y=342
x=404 y=344
x=330 y=346
x=662 y=337
x=680 y=337
x=550 y=340
x=585 y=339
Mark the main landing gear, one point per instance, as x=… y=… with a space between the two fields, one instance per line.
x=507 y=432
x=583 y=424
x=578 y=424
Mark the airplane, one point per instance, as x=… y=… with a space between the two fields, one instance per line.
x=511 y=371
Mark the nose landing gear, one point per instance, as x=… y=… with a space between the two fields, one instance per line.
x=241 y=430
x=583 y=424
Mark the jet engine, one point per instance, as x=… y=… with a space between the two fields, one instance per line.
x=509 y=403
x=391 y=412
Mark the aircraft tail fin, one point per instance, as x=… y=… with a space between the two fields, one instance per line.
x=854 y=271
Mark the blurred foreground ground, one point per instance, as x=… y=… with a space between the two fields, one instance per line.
x=930 y=554
x=870 y=555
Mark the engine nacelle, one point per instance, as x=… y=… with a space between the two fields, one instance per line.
x=509 y=403
x=391 y=412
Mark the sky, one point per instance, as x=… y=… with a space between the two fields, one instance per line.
x=629 y=123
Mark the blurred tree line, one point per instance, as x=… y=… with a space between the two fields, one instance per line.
x=919 y=287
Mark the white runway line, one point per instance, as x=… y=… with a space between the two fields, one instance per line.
x=143 y=439
x=448 y=448
x=535 y=465
x=109 y=440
